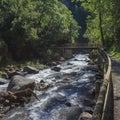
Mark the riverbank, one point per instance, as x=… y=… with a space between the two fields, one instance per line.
x=18 y=69
x=14 y=66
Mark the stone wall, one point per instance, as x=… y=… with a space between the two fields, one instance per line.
x=103 y=109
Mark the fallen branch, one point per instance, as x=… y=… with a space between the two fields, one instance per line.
x=16 y=98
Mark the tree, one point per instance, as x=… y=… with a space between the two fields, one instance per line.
x=35 y=26
x=100 y=21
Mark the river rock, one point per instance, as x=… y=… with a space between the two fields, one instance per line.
x=52 y=64
x=87 y=109
x=73 y=73
x=42 y=85
x=20 y=83
x=69 y=63
x=3 y=81
x=67 y=103
x=93 y=68
x=87 y=60
x=30 y=70
x=11 y=74
x=85 y=116
x=57 y=69
x=88 y=102
x=68 y=113
x=52 y=101
x=62 y=59
x=99 y=76
x=5 y=75
x=18 y=113
x=57 y=77
x=66 y=79
x=76 y=59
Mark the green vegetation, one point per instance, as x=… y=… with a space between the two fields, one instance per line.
x=30 y=29
x=115 y=52
x=80 y=16
x=34 y=63
x=103 y=23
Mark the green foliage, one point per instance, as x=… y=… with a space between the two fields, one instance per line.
x=103 y=22
x=3 y=50
x=30 y=27
x=115 y=52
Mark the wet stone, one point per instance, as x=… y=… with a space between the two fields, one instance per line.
x=88 y=102
x=68 y=104
x=85 y=116
x=3 y=81
x=30 y=70
x=57 y=69
x=20 y=83
x=68 y=113
x=88 y=109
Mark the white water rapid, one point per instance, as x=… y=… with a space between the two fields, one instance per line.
x=64 y=99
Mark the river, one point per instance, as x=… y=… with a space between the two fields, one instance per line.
x=65 y=98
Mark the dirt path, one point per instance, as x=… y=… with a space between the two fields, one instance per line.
x=116 y=87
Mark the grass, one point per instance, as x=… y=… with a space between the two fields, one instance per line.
x=115 y=52
x=35 y=64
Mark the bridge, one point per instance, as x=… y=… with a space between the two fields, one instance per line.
x=68 y=49
x=81 y=46
x=104 y=103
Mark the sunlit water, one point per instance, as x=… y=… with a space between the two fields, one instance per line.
x=65 y=94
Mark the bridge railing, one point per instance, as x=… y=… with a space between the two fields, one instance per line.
x=69 y=45
x=104 y=104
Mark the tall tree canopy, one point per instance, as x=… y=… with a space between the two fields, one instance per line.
x=103 y=22
x=80 y=15
x=35 y=26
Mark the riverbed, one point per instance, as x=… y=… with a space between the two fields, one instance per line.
x=69 y=93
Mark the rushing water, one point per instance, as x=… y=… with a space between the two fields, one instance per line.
x=64 y=98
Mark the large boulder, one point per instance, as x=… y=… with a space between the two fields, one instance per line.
x=30 y=70
x=20 y=83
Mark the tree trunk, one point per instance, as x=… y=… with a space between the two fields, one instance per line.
x=100 y=26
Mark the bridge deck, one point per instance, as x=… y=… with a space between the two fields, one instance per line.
x=81 y=46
